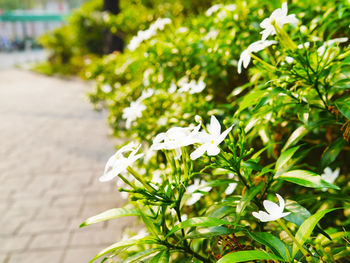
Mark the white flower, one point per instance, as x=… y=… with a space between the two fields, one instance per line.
x=147 y=34
x=210 y=141
x=175 y=138
x=106 y=88
x=172 y=88
x=198 y=87
x=146 y=94
x=196 y=196
x=254 y=47
x=212 y=34
x=118 y=163
x=230 y=188
x=192 y=87
x=133 y=112
x=213 y=9
x=289 y=59
x=280 y=17
x=230 y=7
x=329 y=176
x=328 y=43
x=274 y=211
x=306 y=45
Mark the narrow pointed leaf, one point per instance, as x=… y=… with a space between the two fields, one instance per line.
x=110 y=214
x=161 y=257
x=124 y=244
x=332 y=152
x=306 y=228
x=306 y=178
x=138 y=256
x=248 y=255
x=210 y=232
x=199 y=221
x=343 y=105
x=285 y=157
x=272 y=242
x=295 y=137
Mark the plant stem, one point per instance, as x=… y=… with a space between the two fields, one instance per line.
x=140 y=179
x=285 y=228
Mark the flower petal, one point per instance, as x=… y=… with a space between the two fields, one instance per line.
x=214 y=128
x=271 y=207
x=198 y=152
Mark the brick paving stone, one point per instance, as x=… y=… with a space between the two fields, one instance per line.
x=14 y=243
x=53 y=256
x=57 y=240
x=3 y=258
x=75 y=255
x=53 y=149
x=94 y=237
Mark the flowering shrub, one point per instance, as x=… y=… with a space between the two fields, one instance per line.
x=230 y=110
x=73 y=46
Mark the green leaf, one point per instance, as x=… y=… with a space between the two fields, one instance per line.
x=343 y=105
x=110 y=214
x=299 y=215
x=332 y=152
x=199 y=221
x=124 y=244
x=138 y=256
x=251 y=193
x=250 y=164
x=272 y=242
x=251 y=99
x=285 y=157
x=161 y=257
x=307 y=227
x=210 y=232
x=295 y=137
x=248 y=255
x=148 y=223
x=306 y=178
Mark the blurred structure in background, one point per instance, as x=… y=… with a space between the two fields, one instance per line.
x=22 y=22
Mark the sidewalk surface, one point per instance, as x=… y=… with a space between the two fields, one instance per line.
x=53 y=148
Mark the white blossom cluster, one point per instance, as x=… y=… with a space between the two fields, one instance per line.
x=148 y=33
x=278 y=17
x=185 y=85
x=136 y=108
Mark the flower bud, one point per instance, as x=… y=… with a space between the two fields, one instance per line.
x=198 y=118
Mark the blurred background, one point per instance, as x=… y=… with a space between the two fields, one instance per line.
x=22 y=22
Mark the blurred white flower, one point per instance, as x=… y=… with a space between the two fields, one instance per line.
x=118 y=163
x=321 y=50
x=175 y=138
x=133 y=112
x=289 y=60
x=274 y=211
x=254 y=47
x=106 y=88
x=213 y=9
x=191 y=87
x=194 y=187
x=147 y=34
x=172 y=88
x=230 y=7
x=329 y=176
x=182 y=30
x=279 y=17
x=306 y=45
x=212 y=34
x=210 y=141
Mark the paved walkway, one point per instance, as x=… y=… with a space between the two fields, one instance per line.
x=53 y=148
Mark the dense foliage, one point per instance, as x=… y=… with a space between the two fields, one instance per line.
x=229 y=108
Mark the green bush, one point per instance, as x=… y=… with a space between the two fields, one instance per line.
x=283 y=127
